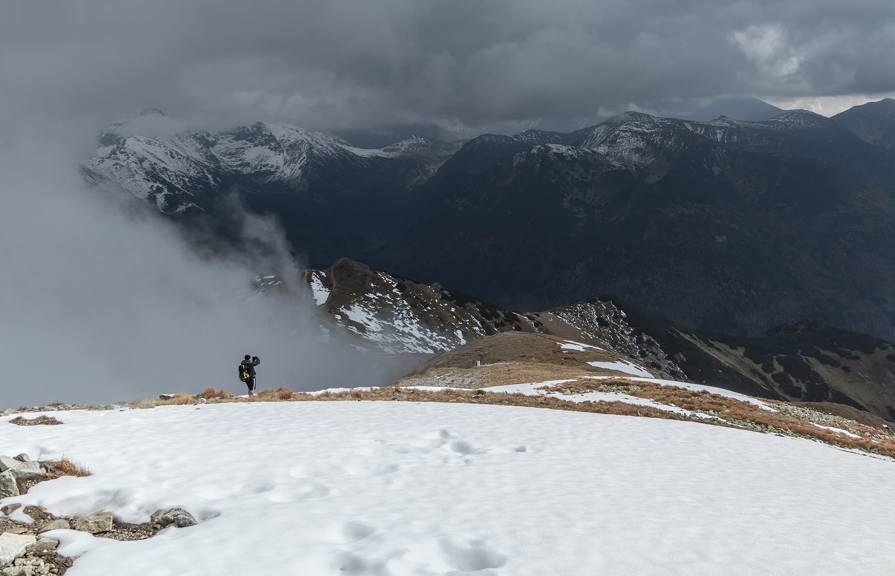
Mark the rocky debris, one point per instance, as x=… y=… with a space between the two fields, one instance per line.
x=46 y=408
x=13 y=546
x=42 y=420
x=38 y=556
x=166 y=396
x=175 y=516
x=43 y=521
x=38 y=559
x=95 y=523
x=45 y=545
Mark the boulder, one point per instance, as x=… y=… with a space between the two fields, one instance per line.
x=13 y=546
x=8 y=486
x=175 y=516
x=18 y=571
x=24 y=470
x=23 y=458
x=166 y=396
x=95 y=523
x=57 y=524
x=6 y=463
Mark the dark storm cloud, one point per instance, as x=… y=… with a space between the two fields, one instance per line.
x=356 y=62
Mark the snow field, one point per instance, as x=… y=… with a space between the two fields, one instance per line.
x=402 y=488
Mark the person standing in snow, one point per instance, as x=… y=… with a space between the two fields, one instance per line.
x=249 y=363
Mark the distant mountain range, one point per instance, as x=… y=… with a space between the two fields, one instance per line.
x=873 y=122
x=728 y=225
x=807 y=361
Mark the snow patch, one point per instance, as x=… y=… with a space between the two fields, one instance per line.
x=622 y=366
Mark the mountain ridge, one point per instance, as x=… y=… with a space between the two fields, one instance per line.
x=729 y=226
x=805 y=361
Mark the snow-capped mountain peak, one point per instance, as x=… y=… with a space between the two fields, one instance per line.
x=158 y=159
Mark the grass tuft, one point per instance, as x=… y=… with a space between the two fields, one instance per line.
x=64 y=467
x=212 y=392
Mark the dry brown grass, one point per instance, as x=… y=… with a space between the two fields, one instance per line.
x=211 y=392
x=484 y=397
x=281 y=394
x=64 y=467
x=744 y=414
x=41 y=420
x=177 y=400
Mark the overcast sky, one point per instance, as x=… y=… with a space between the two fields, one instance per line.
x=358 y=63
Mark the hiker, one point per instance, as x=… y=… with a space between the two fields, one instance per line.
x=247 y=372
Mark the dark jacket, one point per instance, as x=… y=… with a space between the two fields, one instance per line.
x=250 y=365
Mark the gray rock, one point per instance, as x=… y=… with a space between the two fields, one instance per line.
x=176 y=516
x=166 y=396
x=202 y=400
x=18 y=571
x=24 y=470
x=95 y=523
x=8 y=486
x=10 y=508
x=13 y=546
x=6 y=463
x=57 y=524
x=23 y=458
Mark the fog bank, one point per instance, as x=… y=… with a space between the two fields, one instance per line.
x=100 y=302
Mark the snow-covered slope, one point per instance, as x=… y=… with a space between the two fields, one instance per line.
x=413 y=489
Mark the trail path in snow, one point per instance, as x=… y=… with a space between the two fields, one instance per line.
x=400 y=488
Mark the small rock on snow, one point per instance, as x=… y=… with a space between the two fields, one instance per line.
x=176 y=516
